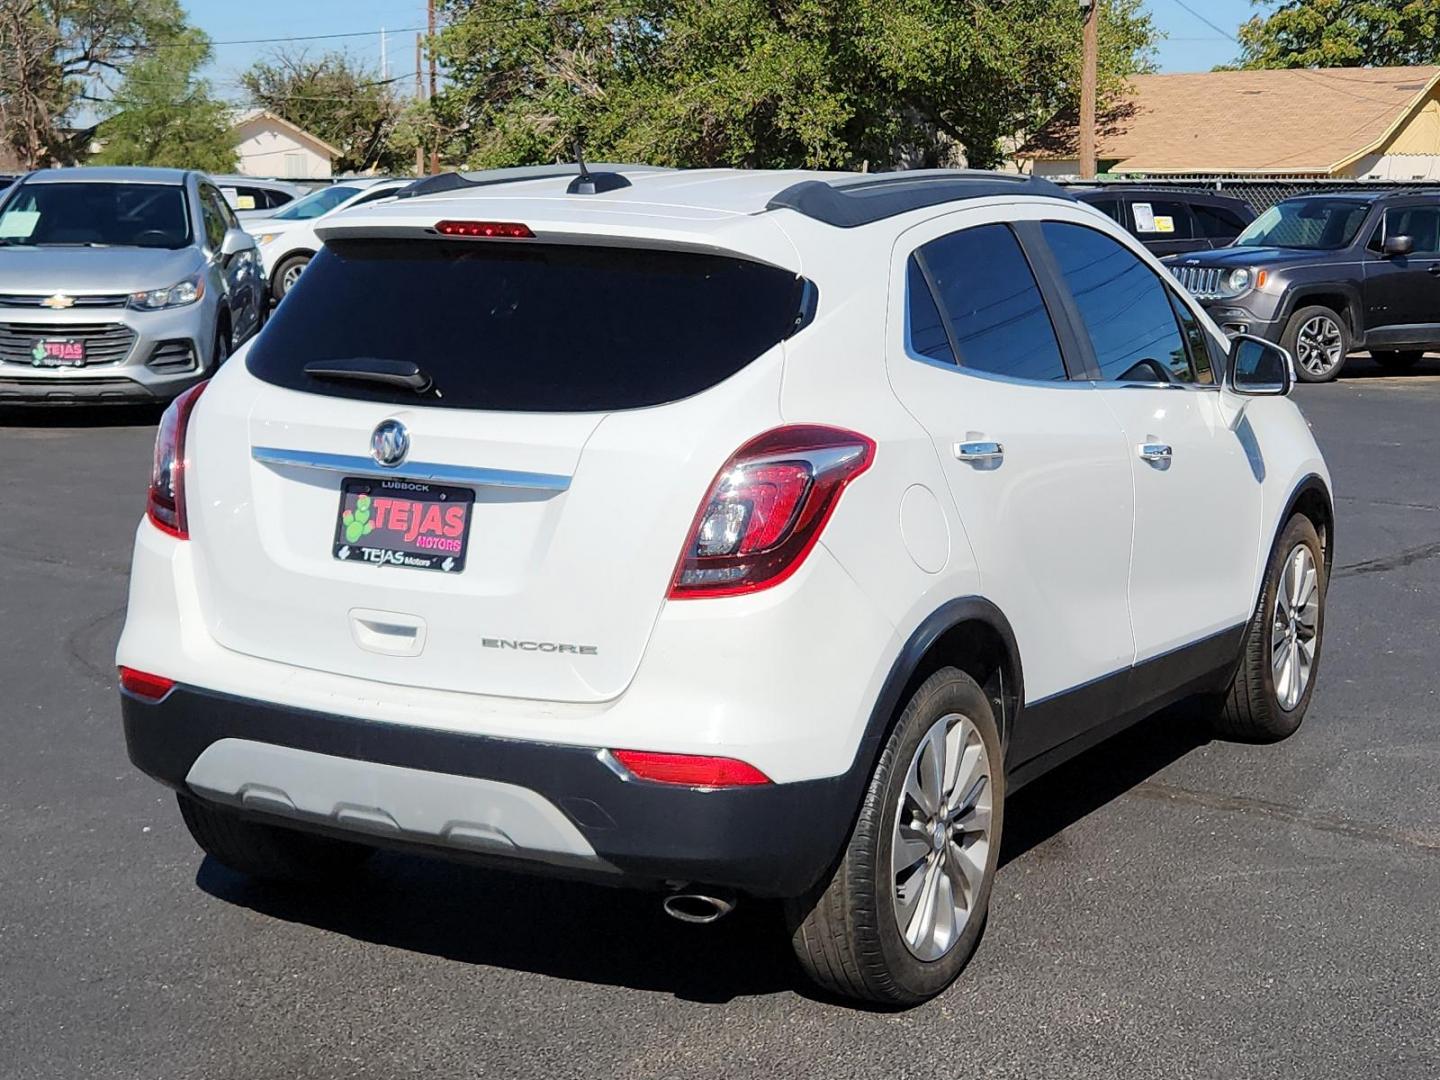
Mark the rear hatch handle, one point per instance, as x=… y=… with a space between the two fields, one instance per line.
x=435 y=472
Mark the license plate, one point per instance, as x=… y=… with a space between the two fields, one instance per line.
x=58 y=352
x=403 y=523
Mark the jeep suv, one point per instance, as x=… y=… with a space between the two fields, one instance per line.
x=1327 y=275
x=722 y=533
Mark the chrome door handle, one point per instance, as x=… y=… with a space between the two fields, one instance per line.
x=1156 y=453
x=979 y=452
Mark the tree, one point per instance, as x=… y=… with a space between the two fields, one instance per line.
x=765 y=83
x=338 y=100
x=59 y=55
x=162 y=114
x=1342 y=33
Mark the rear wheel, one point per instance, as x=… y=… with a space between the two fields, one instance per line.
x=1398 y=360
x=902 y=914
x=1319 y=340
x=287 y=273
x=268 y=852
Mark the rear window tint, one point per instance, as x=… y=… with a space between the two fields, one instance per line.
x=533 y=328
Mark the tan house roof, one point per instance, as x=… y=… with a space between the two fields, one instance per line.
x=265 y=116
x=1297 y=120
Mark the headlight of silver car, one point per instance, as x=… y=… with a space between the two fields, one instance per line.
x=177 y=295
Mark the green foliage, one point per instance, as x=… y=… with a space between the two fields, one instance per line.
x=338 y=100
x=765 y=83
x=162 y=114
x=1342 y=33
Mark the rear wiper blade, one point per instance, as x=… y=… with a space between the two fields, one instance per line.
x=373 y=369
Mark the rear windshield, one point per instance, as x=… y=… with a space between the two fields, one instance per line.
x=532 y=328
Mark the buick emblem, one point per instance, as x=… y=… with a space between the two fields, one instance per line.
x=58 y=302
x=390 y=444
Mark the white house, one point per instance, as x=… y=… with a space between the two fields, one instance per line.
x=268 y=145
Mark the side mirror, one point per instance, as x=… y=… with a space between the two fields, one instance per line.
x=236 y=241
x=1259 y=368
x=1396 y=246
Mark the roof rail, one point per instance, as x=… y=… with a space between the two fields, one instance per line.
x=458 y=181
x=861 y=200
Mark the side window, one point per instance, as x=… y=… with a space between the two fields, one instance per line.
x=1420 y=223
x=372 y=196
x=215 y=227
x=1111 y=209
x=928 y=336
x=1167 y=220
x=1201 y=345
x=997 y=320
x=1217 y=222
x=1125 y=307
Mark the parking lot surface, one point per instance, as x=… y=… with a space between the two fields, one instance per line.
x=1168 y=907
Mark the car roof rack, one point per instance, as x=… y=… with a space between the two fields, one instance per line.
x=862 y=200
x=607 y=177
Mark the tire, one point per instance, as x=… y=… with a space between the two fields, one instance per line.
x=1261 y=704
x=1308 y=335
x=221 y=352
x=289 y=268
x=268 y=852
x=1398 y=360
x=847 y=933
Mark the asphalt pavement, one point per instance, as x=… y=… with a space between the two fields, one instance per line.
x=1168 y=907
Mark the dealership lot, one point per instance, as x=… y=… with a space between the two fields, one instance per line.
x=1167 y=907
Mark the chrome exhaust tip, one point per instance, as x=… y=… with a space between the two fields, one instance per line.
x=698 y=908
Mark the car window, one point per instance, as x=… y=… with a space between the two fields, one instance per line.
x=545 y=328
x=1316 y=223
x=1217 y=222
x=1202 y=359
x=93 y=213
x=213 y=210
x=1124 y=305
x=1420 y=223
x=982 y=283
x=1162 y=220
x=1110 y=208
x=926 y=332
x=317 y=203
x=374 y=194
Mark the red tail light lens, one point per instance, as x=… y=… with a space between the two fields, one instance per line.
x=766 y=509
x=166 y=506
x=689 y=770
x=144 y=685
x=485 y=230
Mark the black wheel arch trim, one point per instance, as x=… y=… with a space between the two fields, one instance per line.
x=1310 y=484
x=1354 y=316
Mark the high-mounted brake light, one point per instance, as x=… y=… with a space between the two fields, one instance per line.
x=689 y=770
x=144 y=685
x=166 y=505
x=766 y=509
x=485 y=230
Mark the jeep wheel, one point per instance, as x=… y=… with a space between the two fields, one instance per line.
x=1319 y=341
x=1398 y=360
x=905 y=907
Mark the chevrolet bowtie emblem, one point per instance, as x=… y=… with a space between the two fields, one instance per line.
x=58 y=302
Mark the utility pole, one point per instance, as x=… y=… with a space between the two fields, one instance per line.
x=384 y=59
x=419 y=96
x=1090 y=12
x=434 y=148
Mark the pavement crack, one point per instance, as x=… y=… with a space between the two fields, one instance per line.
x=1390 y=562
x=1389 y=835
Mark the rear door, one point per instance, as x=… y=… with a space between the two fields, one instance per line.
x=1402 y=293
x=521 y=537
x=1035 y=461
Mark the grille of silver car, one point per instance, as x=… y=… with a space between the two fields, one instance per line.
x=1202 y=282
x=20 y=300
x=105 y=343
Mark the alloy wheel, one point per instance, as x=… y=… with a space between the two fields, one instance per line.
x=941 y=841
x=1320 y=345
x=291 y=276
x=1295 y=626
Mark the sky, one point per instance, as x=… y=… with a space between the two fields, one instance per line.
x=1190 y=44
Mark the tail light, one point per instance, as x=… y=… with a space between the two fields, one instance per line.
x=166 y=506
x=485 y=230
x=689 y=770
x=144 y=685
x=766 y=509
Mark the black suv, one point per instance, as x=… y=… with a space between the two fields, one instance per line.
x=1324 y=275
x=1172 y=222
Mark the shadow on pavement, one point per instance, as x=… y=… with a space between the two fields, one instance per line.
x=618 y=937
x=79 y=416
x=1359 y=368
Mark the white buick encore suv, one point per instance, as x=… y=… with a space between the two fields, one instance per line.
x=719 y=532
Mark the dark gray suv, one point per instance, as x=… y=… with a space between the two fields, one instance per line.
x=120 y=285
x=1327 y=275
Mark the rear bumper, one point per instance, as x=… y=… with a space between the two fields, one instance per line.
x=557 y=808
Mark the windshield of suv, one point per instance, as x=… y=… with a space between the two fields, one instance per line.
x=96 y=215
x=527 y=327
x=1317 y=224
x=316 y=203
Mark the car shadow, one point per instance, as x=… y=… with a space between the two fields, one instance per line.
x=571 y=930
x=80 y=416
x=1360 y=368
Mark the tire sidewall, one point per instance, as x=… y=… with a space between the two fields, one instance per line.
x=950 y=691
x=277 y=283
x=1292 y=337
x=1298 y=531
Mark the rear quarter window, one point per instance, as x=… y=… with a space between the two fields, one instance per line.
x=529 y=327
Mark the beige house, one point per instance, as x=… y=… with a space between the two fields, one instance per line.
x=268 y=145
x=1355 y=123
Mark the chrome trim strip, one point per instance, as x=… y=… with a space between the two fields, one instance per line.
x=411 y=470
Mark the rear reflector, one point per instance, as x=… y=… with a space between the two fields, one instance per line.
x=689 y=770
x=486 y=230
x=144 y=685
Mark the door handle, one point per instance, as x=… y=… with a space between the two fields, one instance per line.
x=1156 y=453
x=978 y=453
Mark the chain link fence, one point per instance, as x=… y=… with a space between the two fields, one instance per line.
x=1260 y=193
